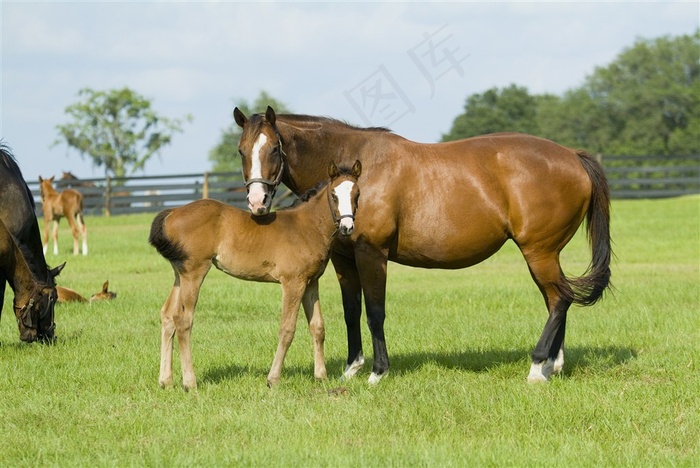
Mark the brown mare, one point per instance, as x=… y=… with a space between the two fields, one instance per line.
x=34 y=300
x=457 y=204
x=290 y=247
x=56 y=205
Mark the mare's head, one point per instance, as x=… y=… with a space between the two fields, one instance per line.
x=45 y=186
x=344 y=196
x=262 y=157
x=35 y=317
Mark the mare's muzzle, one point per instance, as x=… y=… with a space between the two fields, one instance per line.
x=261 y=192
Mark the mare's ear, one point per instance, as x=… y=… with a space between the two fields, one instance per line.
x=357 y=169
x=333 y=170
x=270 y=115
x=239 y=117
x=56 y=271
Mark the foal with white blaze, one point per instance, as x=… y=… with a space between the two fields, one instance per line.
x=290 y=247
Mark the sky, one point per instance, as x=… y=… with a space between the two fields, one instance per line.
x=409 y=66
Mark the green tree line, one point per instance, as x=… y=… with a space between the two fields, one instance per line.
x=646 y=102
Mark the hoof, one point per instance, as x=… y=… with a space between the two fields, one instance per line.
x=375 y=378
x=540 y=372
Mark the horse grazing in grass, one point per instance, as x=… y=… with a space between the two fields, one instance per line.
x=458 y=202
x=56 y=205
x=290 y=246
x=17 y=212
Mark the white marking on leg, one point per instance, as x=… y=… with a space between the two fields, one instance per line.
x=559 y=362
x=352 y=369
x=540 y=372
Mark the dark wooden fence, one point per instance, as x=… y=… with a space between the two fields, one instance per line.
x=629 y=177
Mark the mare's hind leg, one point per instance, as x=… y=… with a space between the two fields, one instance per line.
x=351 y=290
x=548 y=354
x=292 y=293
x=312 y=309
x=167 y=332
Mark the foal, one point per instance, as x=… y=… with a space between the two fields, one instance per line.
x=290 y=247
x=68 y=204
x=33 y=301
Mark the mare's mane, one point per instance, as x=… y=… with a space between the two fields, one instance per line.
x=8 y=160
x=328 y=122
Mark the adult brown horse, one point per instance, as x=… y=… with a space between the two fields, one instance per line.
x=291 y=247
x=457 y=204
x=34 y=301
x=56 y=205
x=17 y=212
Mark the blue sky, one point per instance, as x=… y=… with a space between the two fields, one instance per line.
x=409 y=66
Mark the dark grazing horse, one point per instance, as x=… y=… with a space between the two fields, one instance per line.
x=18 y=215
x=291 y=247
x=458 y=202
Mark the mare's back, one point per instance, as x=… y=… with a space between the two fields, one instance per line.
x=17 y=207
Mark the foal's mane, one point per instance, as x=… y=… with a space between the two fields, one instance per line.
x=313 y=191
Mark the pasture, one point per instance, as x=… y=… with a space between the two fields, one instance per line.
x=459 y=343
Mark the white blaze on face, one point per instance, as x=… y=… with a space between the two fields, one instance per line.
x=343 y=193
x=256 y=190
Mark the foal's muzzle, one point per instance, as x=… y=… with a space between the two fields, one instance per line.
x=346 y=224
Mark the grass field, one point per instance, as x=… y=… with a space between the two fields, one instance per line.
x=459 y=343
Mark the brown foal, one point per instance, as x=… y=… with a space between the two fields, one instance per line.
x=56 y=205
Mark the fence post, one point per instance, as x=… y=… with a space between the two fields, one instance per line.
x=205 y=189
x=108 y=193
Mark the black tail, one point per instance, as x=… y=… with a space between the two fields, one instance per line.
x=163 y=244
x=590 y=287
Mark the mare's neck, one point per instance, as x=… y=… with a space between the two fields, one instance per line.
x=18 y=274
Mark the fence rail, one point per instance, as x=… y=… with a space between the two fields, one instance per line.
x=629 y=177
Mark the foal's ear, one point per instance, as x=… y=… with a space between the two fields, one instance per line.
x=239 y=117
x=357 y=169
x=333 y=170
x=270 y=115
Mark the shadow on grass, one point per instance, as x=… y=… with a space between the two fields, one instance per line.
x=578 y=360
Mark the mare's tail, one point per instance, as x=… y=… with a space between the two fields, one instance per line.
x=590 y=287
x=163 y=244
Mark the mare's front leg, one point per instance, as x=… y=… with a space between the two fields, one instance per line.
x=292 y=292
x=312 y=309
x=372 y=264
x=351 y=291
x=167 y=332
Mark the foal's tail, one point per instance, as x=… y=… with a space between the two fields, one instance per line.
x=170 y=250
x=590 y=287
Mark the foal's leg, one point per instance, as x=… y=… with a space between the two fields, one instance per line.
x=47 y=228
x=351 y=290
x=292 y=292
x=312 y=309
x=548 y=353
x=82 y=228
x=74 y=231
x=167 y=332
x=54 y=236
x=184 y=317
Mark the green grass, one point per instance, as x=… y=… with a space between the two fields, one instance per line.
x=459 y=343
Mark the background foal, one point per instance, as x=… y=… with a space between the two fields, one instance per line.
x=56 y=205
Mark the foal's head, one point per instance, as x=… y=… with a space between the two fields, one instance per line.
x=45 y=187
x=344 y=196
x=262 y=157
x=35 y=317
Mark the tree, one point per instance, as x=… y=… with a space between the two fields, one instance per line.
x=509 y=109
x=223 y=155
x=117 y=129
